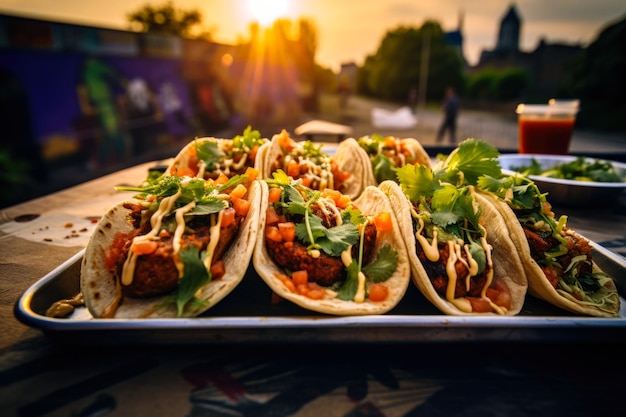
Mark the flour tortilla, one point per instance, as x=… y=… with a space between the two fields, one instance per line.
x=506 y=262
x=98 y=284
x=538 y=284
x=182 y=161
x=371 y=202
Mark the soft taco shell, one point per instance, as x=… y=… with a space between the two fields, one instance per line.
x=507 y=264
x=352 y=158
x=182 y=160
x=98 y=284
x=538 y=284
x=371 y=201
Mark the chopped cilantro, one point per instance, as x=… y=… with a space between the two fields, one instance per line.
x=195 y=276
x=210 y=153
x=383 y=266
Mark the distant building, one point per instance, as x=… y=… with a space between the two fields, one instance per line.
x=455 y=37
x=547 y=63
x=508 y=35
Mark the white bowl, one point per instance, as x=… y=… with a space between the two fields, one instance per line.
x=568 y=192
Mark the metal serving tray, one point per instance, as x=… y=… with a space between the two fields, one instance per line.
x=247 y=315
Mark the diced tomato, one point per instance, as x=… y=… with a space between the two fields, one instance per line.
x=113 y=252
x=252 y=173
x=218 y=269
x=287 y=231
x=242 y=206
x=301 y=289
x=300 y=277
x=285 y=141
x=332 y=194
x=184 y=172
x=315 y=291
x=344 y=201
x=274 y=194
x=238 y=192
x=272 y=217
x=164 y=234
x=383 y=221
x=390 y=142
x=378 y=292
x=272 y=233
x=144 y=247
x=306 y=180
x=228 y=217
x=289 y=284
x=221 y=179
x=252 y=156
x=293 y=169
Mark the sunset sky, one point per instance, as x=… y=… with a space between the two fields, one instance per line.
x=349 y=30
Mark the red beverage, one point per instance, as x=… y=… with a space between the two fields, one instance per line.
x=545 y=129
x=545 y=136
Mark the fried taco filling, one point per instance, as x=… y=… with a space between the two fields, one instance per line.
x=325 y=245
x=181 y=228
x=307 y=163
x=452 y=244
x=387 y=153
x=210 y=158
x=565 y=257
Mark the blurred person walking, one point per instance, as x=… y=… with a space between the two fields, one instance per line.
x=450 y=109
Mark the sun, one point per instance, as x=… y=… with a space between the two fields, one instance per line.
x=266 y=11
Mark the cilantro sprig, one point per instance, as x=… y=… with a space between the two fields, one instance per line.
x=300 y=200
x=248 y=140
x=195 y=277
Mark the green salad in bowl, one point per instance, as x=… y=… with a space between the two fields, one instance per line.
x=570 y=180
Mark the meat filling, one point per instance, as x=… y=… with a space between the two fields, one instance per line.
x=156 y=273
x=325 y=269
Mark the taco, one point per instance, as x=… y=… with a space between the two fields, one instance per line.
x=210 y=157
x=174 y=250
x=327 y=253
x=558 y=261
x=460 y=256
x=387 y=153
x=315 y=168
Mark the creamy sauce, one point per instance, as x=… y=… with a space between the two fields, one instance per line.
x=431 y=250
x=178 y=235
x=128 y=270
x=216 y=222
x=455 y=255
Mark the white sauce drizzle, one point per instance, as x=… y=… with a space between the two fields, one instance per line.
x=128 y=269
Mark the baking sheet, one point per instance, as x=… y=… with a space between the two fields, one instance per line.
x=247 y=315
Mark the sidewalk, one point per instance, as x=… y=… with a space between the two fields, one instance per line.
x=498 y=130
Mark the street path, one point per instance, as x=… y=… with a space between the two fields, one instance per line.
x=496 y=129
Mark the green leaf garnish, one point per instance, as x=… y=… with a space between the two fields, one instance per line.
x=383 y=266
x=195 y=277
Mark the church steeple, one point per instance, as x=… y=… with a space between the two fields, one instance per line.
x=509 y=33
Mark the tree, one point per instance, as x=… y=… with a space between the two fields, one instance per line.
x=597 y=79
x=167 y=19
x=395 y=67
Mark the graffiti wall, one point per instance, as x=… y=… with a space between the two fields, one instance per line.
x=97 y=94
